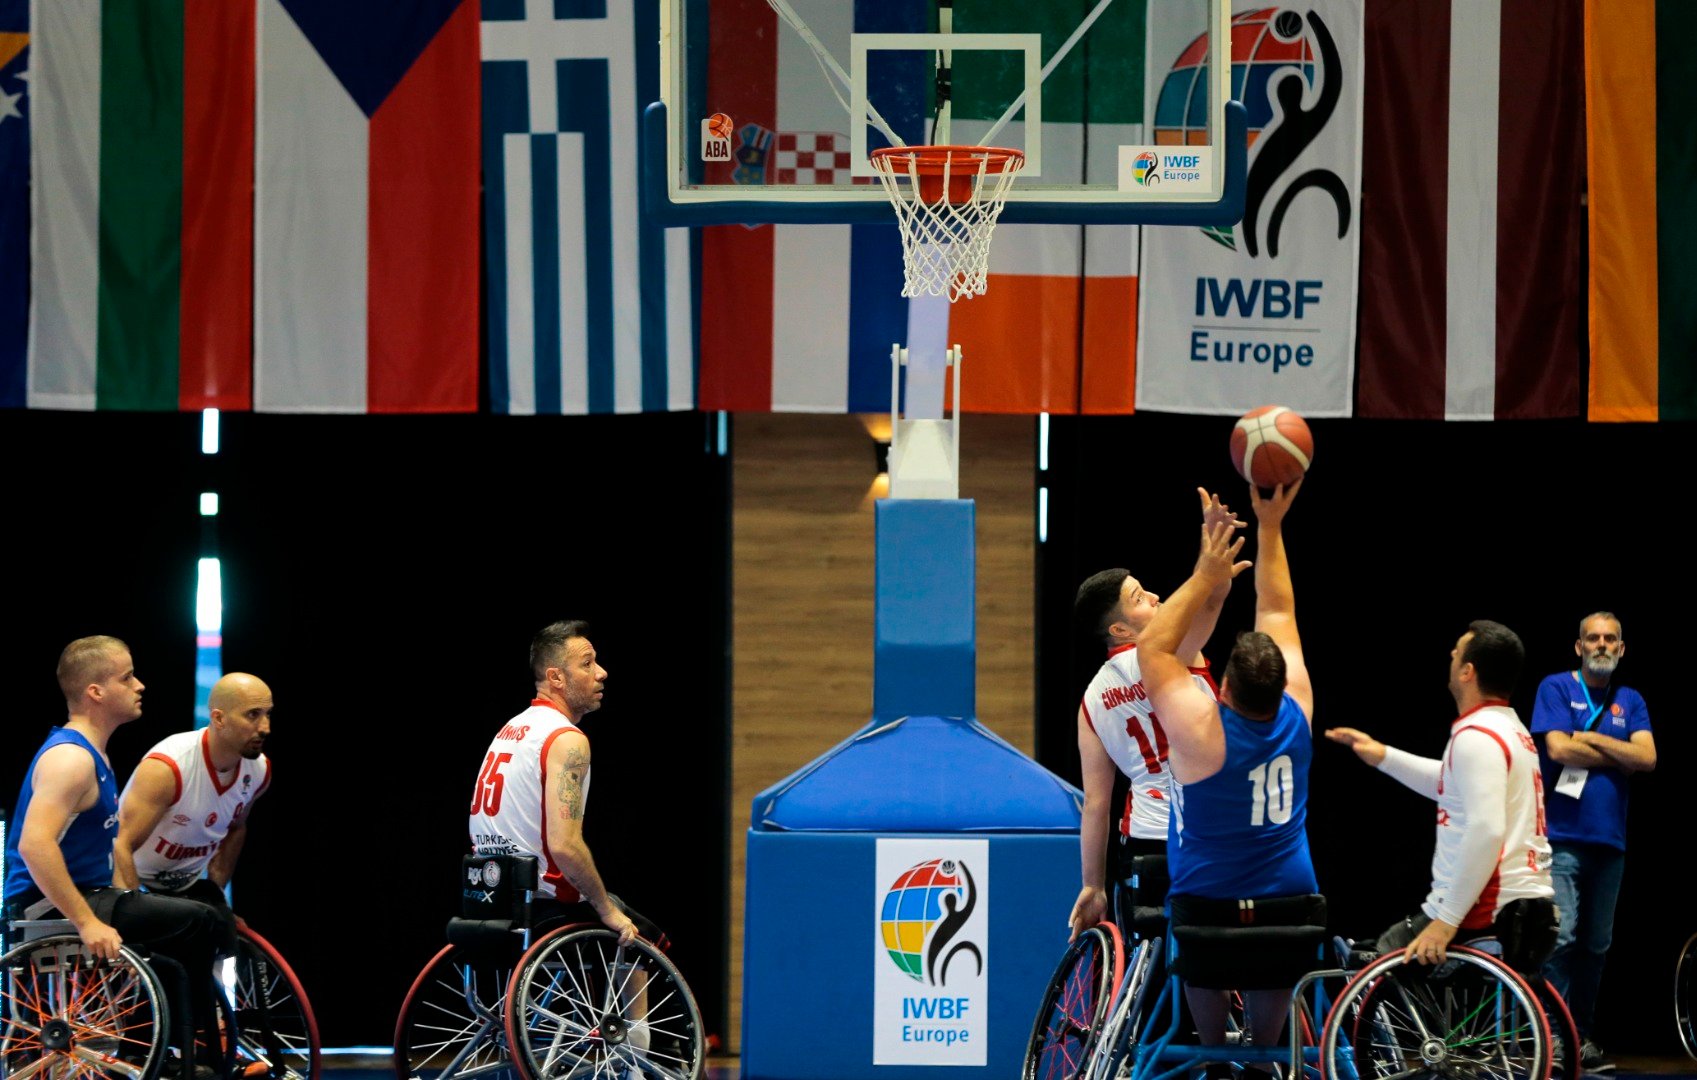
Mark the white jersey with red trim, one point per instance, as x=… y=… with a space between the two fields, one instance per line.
x=1118 y=710
x=1490 y=775
x=507 y=811
x=202 y=812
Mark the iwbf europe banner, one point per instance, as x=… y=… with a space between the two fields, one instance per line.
x=1264 y=311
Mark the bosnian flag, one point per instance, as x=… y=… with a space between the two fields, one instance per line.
x=365 y=208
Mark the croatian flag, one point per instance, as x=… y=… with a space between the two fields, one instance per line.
x=589 y=308
x=14 y=199
x=365 y=247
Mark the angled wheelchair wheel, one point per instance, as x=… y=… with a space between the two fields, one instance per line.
x=64 y=1014
x=1075 y=1005
x=1684 y=990
x=581 y=1005
x=275 y=1028
x=1112 y=1057
x=1470 y=1016
x=450 y=1025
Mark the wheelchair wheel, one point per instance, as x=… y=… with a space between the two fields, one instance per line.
x=1564 y=1033
x=581 y=1005
x=274 y=1022
x=64 y=1014
x=1075 y=1006
x=1112 y=1056
x=1469 y=1016
x=1684 y=989
x=450 y=1023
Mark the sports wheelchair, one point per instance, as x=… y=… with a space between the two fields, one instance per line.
x=63 y=1011
x=572 y=1003
x=1107 y=1015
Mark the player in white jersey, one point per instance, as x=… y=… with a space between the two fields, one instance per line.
x=533 y=786
x=1118 y=728
x=182 y=818
x=1491 y=868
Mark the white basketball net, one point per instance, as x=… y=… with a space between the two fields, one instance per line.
x=946 y=245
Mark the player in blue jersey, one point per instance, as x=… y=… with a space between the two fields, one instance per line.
x=59 y=858
x=1240 y=764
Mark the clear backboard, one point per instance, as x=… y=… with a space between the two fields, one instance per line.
x=770 y=109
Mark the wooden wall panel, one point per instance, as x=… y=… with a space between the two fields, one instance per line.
x=802 y=580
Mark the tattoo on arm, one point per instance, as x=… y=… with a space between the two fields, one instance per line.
x=571 y=785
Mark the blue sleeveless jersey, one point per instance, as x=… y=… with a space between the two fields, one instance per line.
x=1242 y=833
x=87 y=843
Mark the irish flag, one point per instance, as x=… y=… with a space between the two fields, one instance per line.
x=142 y=147
x=1641 y=157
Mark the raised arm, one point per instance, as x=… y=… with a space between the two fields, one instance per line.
x=567 y=770
x=1091 y=907
x=1191 y=718
x=1214 y=512
x=1275 y=598
x=148 y=798
x=65 y=785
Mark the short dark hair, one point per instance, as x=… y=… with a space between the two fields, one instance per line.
x=1097 y=601
x=1496 y=654
x=1256 y=672
x=87 y=660
x=547 y=648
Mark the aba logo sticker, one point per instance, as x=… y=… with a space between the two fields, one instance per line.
x=923 y=914
x=1280 y=57
x=1146 y=168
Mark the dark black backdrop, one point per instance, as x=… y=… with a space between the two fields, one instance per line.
x=385 y=574
x=1404 y=533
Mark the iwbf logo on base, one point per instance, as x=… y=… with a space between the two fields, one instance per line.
x=931 y=952
x=1232 y=318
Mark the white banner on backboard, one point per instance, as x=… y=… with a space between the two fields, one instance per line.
x=1264 y=312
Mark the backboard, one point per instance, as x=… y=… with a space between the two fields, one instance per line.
x=770 y=108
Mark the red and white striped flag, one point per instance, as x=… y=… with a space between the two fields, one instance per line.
x=1473 y=160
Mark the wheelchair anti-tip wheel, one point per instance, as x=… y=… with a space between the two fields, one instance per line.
x=581 y=1005
x=1470 y=1016
x=1075 y=1005
x=450 y=1026
x=275 y=1027
x=62 y=1013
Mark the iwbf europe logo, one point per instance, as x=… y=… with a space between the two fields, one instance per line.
x=932 y=952
x=1231 y=317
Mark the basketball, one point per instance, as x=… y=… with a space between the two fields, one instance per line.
x=719 y=125
x=1271 y=446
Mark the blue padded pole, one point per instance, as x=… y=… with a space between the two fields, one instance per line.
x=924 y=646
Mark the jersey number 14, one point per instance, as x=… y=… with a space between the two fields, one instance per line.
x=1270 y=792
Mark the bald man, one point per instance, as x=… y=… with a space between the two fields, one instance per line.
x=184 y=812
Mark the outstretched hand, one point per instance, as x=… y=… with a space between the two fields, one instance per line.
x=1215 y=512
x=1271 y=509
x=1366 y=747
x=1218 y=562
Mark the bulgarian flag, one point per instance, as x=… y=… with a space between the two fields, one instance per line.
x=1642 y=156
x=142 y=150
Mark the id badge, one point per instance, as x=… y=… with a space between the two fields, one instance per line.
x=1571 y=782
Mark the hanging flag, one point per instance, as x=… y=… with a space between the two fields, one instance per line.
x=1263 y=312
x=365 y=207
x=1474 y=168
x=589 y=308
x=801 y=318
x=1640 y=163
x=142 y=155
x=14 y=201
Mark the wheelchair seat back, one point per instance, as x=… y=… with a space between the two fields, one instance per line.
x=1265 y=944
x=495 y=892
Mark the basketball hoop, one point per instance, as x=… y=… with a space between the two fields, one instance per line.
x=947 y=200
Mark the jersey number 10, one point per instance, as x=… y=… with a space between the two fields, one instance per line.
x=1270 y=792
x=486 y=796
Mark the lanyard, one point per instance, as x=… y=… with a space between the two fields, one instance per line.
x=1596 y=710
